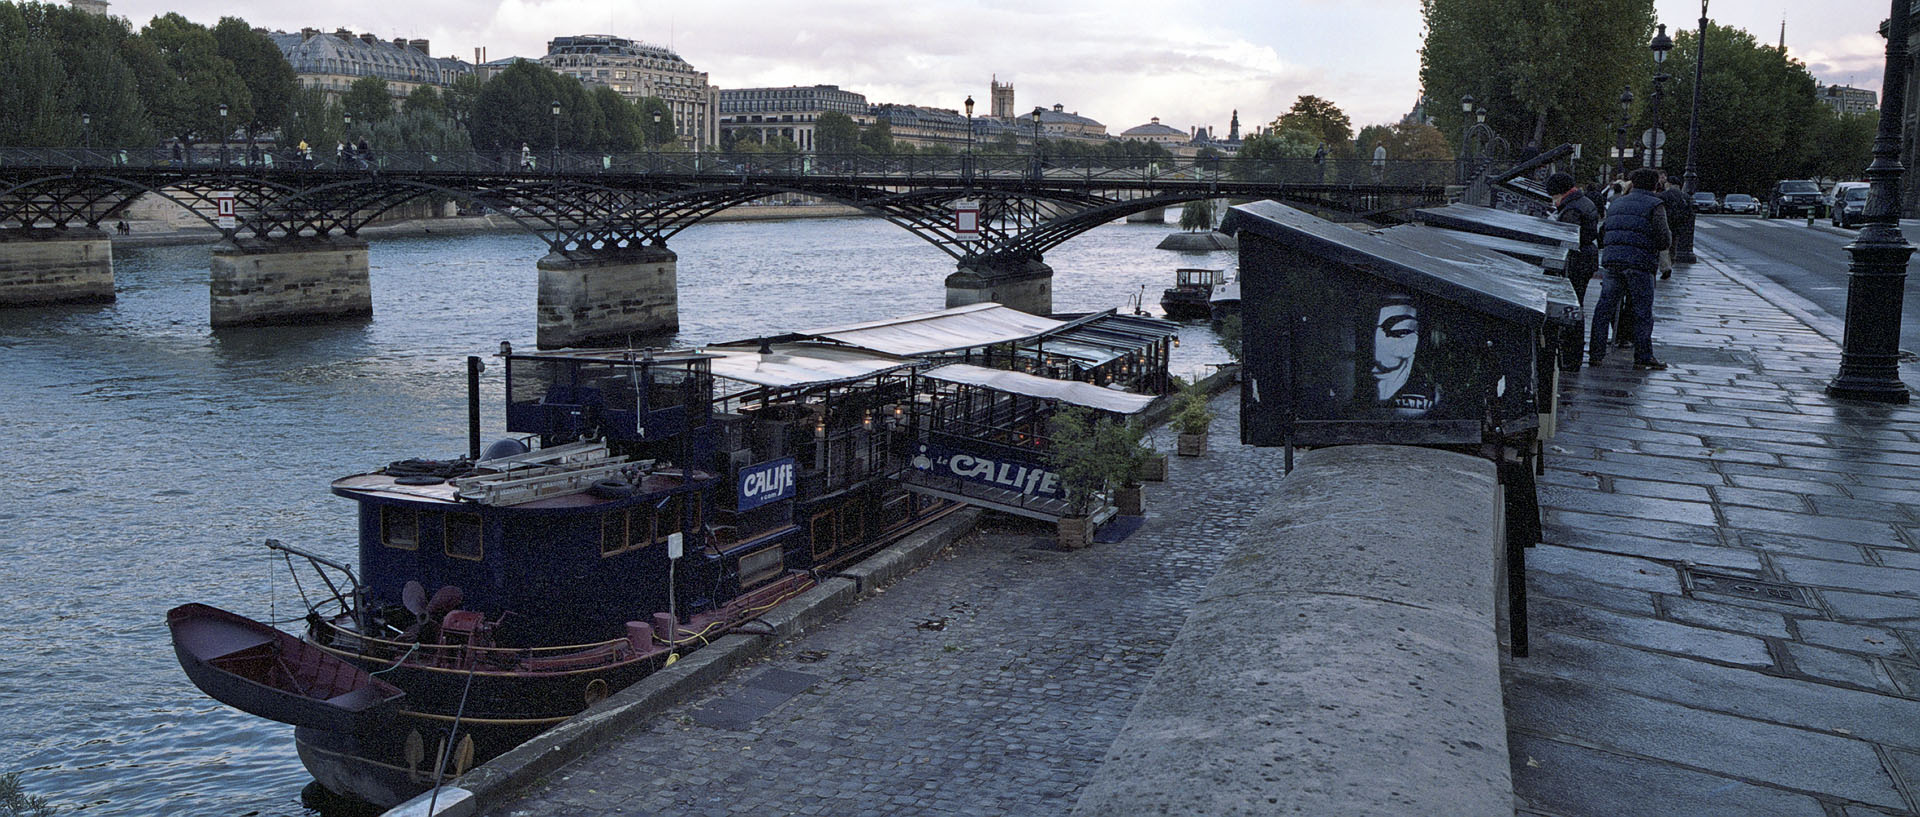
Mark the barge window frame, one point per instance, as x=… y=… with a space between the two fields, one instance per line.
x=390 y=522
x=448 y=540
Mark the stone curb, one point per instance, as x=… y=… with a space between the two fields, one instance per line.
x=499 y=779
x=1343 y=661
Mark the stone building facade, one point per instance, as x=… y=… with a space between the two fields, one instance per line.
x=332 y=62
x=1847 y=99
x=635 y=69
x=790 y=112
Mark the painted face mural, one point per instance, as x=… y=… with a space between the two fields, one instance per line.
x=1396 y=341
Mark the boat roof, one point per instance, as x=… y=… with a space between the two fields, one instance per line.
x=949 y=330
x=800 y=365
x=617 y=354
x=1549 y=256
x=1021 y=383
x=1468 y=249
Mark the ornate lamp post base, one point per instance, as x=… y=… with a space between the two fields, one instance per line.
x=1870 y=348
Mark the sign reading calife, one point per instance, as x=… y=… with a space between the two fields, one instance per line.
x=767 y=482
x=1021 y=477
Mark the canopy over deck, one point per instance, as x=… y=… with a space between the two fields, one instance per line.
x=1065 y=391
x=800 y=365
x=949 y=330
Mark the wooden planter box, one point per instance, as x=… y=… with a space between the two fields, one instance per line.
x=1129 y=499
x=1155 y=469
x=1075 y=532
x=1191 y=445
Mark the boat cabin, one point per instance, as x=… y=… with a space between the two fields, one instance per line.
x=1188 y=298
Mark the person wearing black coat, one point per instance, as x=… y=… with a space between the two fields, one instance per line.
x=1572 y=206
x=1679 y=213
x=1632 y=237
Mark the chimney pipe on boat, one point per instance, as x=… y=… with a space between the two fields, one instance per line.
x=474 y=367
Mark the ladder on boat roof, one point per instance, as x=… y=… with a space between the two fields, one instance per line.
x=557 y=471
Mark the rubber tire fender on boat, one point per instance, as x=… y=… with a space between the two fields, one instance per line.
x=612 y=489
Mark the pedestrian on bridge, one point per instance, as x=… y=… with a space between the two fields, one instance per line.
x=1631 y=238
x=1572 y=206
x=526 y=157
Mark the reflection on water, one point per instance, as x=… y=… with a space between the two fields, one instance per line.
x=151 y=455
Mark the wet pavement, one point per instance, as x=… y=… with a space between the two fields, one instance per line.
x=1725 y=618
x=988 y=683
x=1726 y=607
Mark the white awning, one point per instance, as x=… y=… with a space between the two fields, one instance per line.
x=962 y=327
x=794 y=365
x=1065 y=391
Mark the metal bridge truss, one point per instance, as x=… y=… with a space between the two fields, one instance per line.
x=1021 y=218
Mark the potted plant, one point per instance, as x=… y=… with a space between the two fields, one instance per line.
x=1191 y=418
x=1092 y=455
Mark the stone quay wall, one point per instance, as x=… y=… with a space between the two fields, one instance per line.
x=48 y=266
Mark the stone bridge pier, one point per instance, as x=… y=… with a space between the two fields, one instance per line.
x=282 y=281
x=599 y=296
x=1025 y=284
x=42 y=265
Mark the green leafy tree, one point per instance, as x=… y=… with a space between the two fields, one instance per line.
x=515 y=107
x=460 y=96
x=76 y=68
x=878 y=137
x=421 y=131
x=195 y=81
x=368 y=101
x=1321 y=121
x=835 y=132
x=656 y=122
x=425 y=99
x=34 y=108
x=1546 y=71
x=1844 y=146
x=1759 y=118
x=1260 y=157
x=262 y=68
x=620 y=124
x=1196 y=216
x=313 y=118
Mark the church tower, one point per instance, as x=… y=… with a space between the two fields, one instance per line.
x=1002 y=100
x=1233 y=130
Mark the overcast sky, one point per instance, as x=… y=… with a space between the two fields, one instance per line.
x=1118 y=61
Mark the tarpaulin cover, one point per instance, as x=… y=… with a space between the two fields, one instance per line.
x=1021 y=383
x=796 y=365
x=949 y=330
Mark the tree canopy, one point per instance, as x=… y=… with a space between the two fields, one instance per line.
x=1759 y=118
x=262 y=69
x=835 y=132
x=194 y=80
x=1320 y=121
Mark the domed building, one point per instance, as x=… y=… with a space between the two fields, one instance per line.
x=1153 y=131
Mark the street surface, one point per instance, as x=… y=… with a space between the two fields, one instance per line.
x=1810 y=262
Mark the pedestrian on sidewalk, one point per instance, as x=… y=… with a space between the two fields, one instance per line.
x=1571 y=205
x=1631 y=240
x=1678 y=211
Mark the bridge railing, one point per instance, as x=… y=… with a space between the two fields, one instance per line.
x=914 y=168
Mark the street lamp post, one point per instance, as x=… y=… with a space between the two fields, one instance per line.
x=1869 y=351
x=1466 y=133
x=1036 y=142
x=555 y=110
x=1660 y=46
x=1620 y=132
x=223 y=133
x=1690 y=182
x=967 y=172
x=86 y=129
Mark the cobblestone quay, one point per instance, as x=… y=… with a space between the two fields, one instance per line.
x=990 y=682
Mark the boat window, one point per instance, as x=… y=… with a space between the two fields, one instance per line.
x=463 y=536
x=639 y=527
x=399 y=527
x=613 y=533
x=667 y=518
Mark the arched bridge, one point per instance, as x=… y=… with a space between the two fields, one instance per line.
x=292 y=223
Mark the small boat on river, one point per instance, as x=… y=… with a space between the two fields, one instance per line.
x=1188 y=298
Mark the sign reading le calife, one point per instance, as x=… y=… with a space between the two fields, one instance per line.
x=1013 y=475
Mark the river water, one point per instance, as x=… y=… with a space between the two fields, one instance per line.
x=152 y=456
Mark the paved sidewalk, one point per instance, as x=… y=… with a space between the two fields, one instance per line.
x=990 y=682
x=1726 y=611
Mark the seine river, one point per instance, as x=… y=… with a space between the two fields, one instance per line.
x=151 y=456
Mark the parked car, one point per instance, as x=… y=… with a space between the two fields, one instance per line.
x=1849 y=203
x=1797 y=197
x=1740 y=203
x=1704 y=202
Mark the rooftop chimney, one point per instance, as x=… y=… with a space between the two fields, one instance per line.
x=420 y=46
